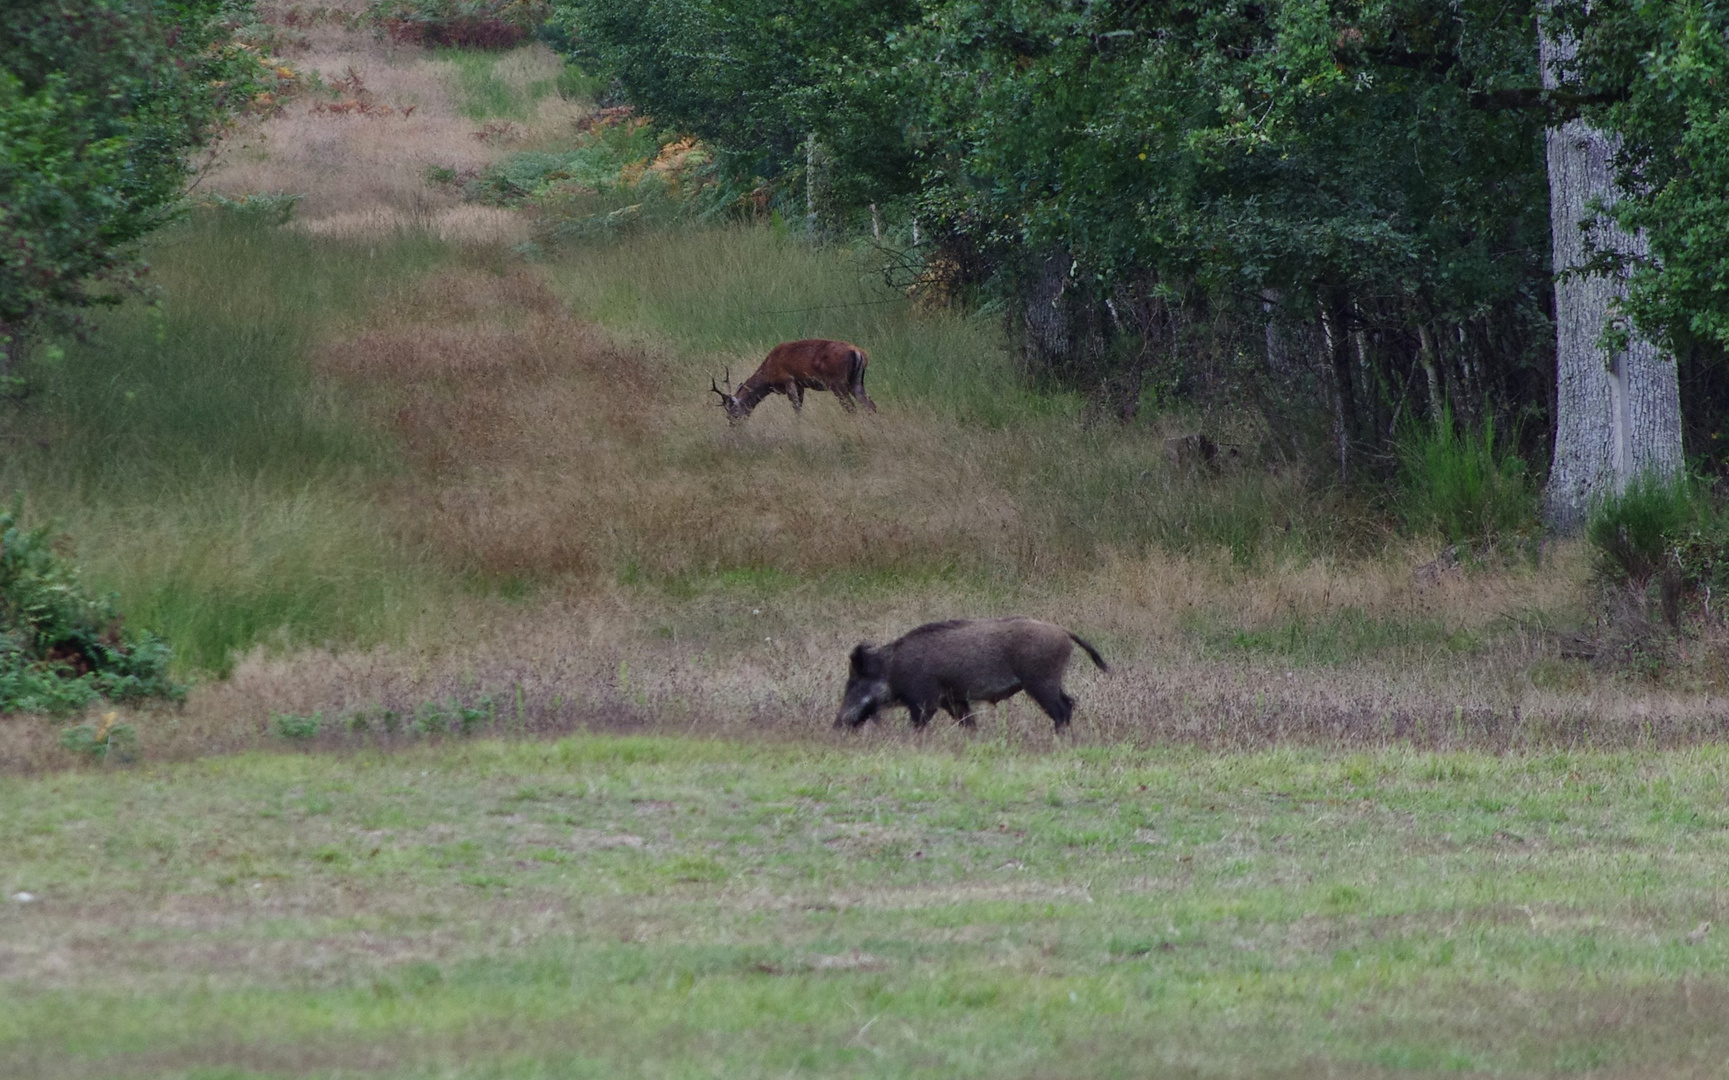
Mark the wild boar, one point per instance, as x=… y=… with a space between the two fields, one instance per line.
x=950 y=665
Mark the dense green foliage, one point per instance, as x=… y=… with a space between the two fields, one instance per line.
x=1150 y=187
x=100 y=100
x=61 y=647
x=757 y=78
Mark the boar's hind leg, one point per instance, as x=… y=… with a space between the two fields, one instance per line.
x=1058 y=705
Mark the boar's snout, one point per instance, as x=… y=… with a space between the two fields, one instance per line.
x=866 y=688
x=862 y=700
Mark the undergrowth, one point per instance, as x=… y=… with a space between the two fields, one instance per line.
x=1463 y=485
x=466 y=24
x=62 y=647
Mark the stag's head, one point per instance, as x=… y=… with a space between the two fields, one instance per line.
x=735 y=409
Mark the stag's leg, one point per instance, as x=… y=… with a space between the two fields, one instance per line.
x=795 y=394
x=845 y=399
x=1057 y=705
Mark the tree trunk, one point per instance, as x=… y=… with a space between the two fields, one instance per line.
x=1426 y=353
x=1335 y=314
x=1617 y=416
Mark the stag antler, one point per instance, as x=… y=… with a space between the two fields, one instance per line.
x=725 y=395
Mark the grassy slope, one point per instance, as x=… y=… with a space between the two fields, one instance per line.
x=199 y=467
x=610 y=906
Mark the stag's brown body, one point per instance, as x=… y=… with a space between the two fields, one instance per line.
x=797 y=366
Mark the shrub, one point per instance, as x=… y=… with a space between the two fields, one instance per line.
x=297 y=728
x=462 y=24
x=99 y=104
x=1464 y=486
x=1635 y=533
x=107 y=741
x=1665 y=533
x=60 y=647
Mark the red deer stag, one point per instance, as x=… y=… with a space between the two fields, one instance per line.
x=795 y=367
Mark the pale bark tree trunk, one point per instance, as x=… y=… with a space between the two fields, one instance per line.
x=1426 y=353
x=1617 y=417
x=1336 y=339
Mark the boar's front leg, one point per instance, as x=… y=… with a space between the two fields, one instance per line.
x=920 y=711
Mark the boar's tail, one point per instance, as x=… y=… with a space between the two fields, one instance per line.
x=1092 y=652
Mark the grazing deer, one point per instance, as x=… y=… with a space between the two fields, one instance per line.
x=795 y=367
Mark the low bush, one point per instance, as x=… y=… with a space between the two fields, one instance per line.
x=1464 y=486
x=60 y=647
x=1662 y=536
x=106 y=742
x=298 y=728
x=1635 y=533
x=608 y=160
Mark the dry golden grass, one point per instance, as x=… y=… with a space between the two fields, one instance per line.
x=545 y=448
x=365 y=174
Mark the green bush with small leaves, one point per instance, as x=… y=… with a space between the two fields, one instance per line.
x=297 y=728
x=1635 y=533
x=60 y=646
x=105 y=742
x=100 y=102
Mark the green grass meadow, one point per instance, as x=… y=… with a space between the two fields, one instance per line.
x=198 y=467
x=612 y=906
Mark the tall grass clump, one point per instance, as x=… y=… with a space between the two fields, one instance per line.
x=1662 y=542
x=198 y=466
x=1463 y=485
x=508 y=86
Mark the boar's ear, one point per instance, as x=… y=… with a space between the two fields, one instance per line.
x=860 y=657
